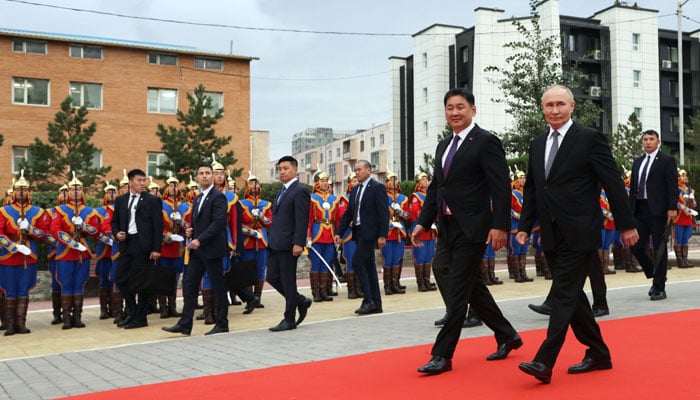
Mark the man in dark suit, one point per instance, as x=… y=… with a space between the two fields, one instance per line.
x=566 y=168
x=286 y=240
x=470 y=193
x=368 y=214
x=208 y=246
x=138 y=224
x=654 y=199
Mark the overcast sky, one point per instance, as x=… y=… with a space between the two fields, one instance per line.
x=302 y=80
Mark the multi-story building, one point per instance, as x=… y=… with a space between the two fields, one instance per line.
x=314 y=137
x=629 y=67
x=128 y=87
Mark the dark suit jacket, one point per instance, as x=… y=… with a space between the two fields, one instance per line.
x=290 y=218
x=374 y=211
x=570 y=195
x=662 y=184
x=209 y=224
x=477 y=179
x=149 y=220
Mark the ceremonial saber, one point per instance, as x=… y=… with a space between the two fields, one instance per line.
x=335 y=278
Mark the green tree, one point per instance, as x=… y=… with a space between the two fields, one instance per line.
x=68 y=149
x=691 y=137
x=429 y=159
x=535 y=65
x=625 y=142
x=193 y=142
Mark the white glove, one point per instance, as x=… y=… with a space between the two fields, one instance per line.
x=177 y=238
x=693 y=213
x=309 y=244
x=110 y=242
x=433 y=226
x=23 y=224
x=175 y=216
x=397 y=225
x=255 y=212
x=81 y=248
x=257 y=235
x=395 y=206
x=77 y=220
x=23 y=249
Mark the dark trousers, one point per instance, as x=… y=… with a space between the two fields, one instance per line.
x=214 y=267
x=132 y=256
x=441 y=270
x=465 y=287
x=569 y=303
x=282 y=275
x=598 y=287
x=365 y=267
x=650 y=225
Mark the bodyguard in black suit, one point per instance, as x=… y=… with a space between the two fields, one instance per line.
x=286 y=240
x=138 y=223
x=470 y=174
x=368 y=214
x=208 y=247
x=654 y=199
x=566 y=168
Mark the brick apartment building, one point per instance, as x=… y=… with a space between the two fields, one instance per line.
x=128 y=87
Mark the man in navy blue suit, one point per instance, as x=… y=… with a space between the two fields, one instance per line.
x=208 y=247
x=286 y=240
x=368 y=214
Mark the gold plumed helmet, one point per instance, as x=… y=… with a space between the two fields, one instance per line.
x=172 y=179
x=518 y=172
x=215 y=165
x=351 y=176
x=390 y=174
x=109 y=186
x=21 y=182
x=11 y=189
x=192 y=184
x=152 y=185
x=75 y=181
x=251 y=177
x=125 y=179
x=682 y=172
x=420 y=176
x=63 y=188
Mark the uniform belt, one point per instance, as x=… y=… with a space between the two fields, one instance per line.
x=323 y=221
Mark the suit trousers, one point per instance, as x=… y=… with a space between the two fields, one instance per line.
x=282 y=275
x=441 y=270
x=365 y=267
x=131 y=254
x=195 y=271
x=465 y=287
x=569 y=303
x=650 y=225
x=598 y=287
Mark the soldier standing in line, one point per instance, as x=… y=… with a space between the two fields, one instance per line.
x=257 y=218
x=103 y=254
x=349 y=245
x=51 y=258
x=323 y=217
x=608 y=233
x=117 y=308
x=517 y=252
x=392 y=252
x=21 y=225
x=684 y=221
x=173 y=236
x=422 y=256
x=154 y=188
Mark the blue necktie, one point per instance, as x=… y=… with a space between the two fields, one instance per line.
x=279 y=198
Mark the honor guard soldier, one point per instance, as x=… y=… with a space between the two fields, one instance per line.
x=117 y=307
x=323 y=217
x=393 y=251
x=21 y=226
x=517 y=253
x=153 y=188
x=103 y=253
x=422 y=256
x=69 y=226
x=349 y=245
x=607 y=233
x=174 y=207
x=257 y=218
x=685 y=220
x=61 y=198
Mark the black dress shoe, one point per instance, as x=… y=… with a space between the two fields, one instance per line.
x=177 y=328
x=504 y=348
x=651 y=291
x=543 y=309
x=588 y=364
x=136 y=324
x=251 y=305
x=127 y=320
x=436 y=365
x=283 y=326
x=441 y=321
x=535 y=368
x=216 y=329
x=368 y=308
x=599 y=312
x=303 y=308
x=472 y=321
x=658 y=295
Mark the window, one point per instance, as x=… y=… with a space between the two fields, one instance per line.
x=19 y=155
x=673 y=89
x=636 y=77
x=374 y=159
x=673 y=54
x=80 y=51
x=162 y=101
x=425 y=128
x=320 y=157
x=425 y=60
x=372 y=142
x=572 y=42
x=638 y=112
x=153 y=162
x=465 y=54
x=337 y=152
x=208 y=63
x=346 y=169
x=96 y=159
x=330 y=154
x=30 y=91
x=162 y=59
x=217 y=102
x=28 y=46
x=635 y=41
x=381 y=139
x=425 y=94
x=86 y=94
x=331 y=172
x=362 y=145
x=674 y=124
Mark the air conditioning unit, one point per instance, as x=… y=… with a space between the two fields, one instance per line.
x=597 y=54
x=666 y=64
x=595 y=91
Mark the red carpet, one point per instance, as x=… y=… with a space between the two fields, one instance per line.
x=653 y=357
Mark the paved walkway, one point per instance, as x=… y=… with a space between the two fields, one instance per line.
x=51 y=362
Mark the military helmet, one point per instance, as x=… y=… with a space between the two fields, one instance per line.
x=172 y=179
x=152 y=185
x=215 y=165
x=109 y=186
x=125 y=179
x=21 y=182
x=75 y=181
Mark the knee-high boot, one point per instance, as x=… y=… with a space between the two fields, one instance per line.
x=512 y=262
x=104 y=302
x=630 y=260
x=208 y=302
x=386 y=277
x=492 y=272
x=10 y=315
x=396 y=280
x=259 y=284
x=3 y=303
x=430 y=286
x=679 y=256
x=67 y=307
x=323 y=283
x=163 y=305
x=538 y=265
x=77 y=311
x=315 y=286
x=329 y=288
x=618 y=262
x=399 y=269
x=350 y=279
x=604 y=261
x=21 y=318
x=522 y=271
x=172 y=306
x=117 y=306
x=545 y=268
x=484 y=270
x=420 y=282
x=56 y=304
x=684 y=254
